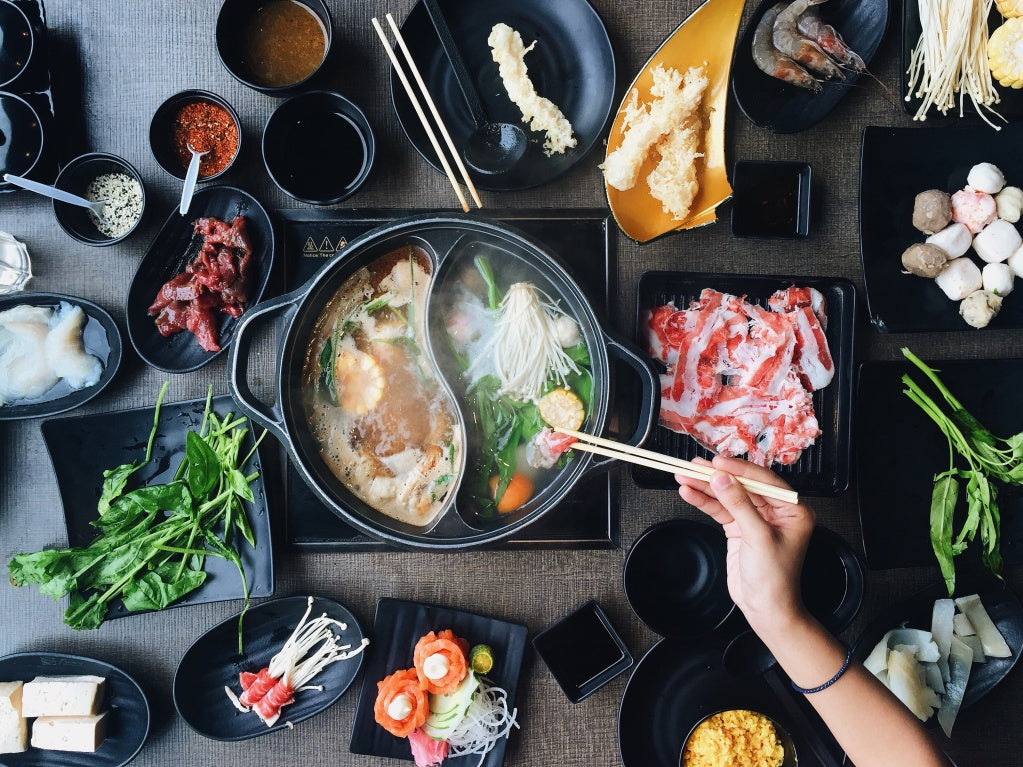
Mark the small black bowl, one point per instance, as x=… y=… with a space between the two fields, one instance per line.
x=74 y=178
x=234 y=17
x=791 y=758
x=18 y=42
x=318 y=147
x=161 y=132
x=583 y=651
x=771 y=199
x=675 y=579
x=21 y=136
x=832 y=580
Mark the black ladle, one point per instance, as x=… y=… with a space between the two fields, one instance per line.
x=494 y=147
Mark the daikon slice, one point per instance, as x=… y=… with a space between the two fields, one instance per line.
x=941 y=630
x=959 y=661
x=905 y=682
x=962 y=626
x=927 y=649
x=990 y=638
x=877 y=662
x=973 y=642
x=933 y=677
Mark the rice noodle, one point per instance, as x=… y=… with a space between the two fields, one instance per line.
x=524 y=348
x=486 y=721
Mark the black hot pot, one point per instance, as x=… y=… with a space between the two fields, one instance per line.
x=449 y=241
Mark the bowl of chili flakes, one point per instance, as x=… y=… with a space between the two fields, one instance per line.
x=203 y=120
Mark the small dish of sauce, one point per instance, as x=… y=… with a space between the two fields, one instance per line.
x=771 y=199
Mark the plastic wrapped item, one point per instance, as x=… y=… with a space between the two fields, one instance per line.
x=15 y=267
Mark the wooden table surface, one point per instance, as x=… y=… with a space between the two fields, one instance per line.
x=123 y=60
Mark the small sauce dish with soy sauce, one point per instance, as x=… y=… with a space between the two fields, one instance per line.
x=318 y=147
x=771 y=199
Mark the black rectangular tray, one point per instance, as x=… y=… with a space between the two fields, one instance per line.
x=824 y=467
x=589 y=516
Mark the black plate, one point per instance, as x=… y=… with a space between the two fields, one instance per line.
x=896 y=164
x=174 y=247
x=785 y=108
x=82 y=447
x=101 y=338
x=900 y=450
x=213 y=662
x=128 y=723
x=1001 y=604
x=678 y=683
x=1011 y=104
x=572 y=65
x=397 y=627
x=823 y=469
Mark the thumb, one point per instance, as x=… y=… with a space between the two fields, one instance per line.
x=736 y=500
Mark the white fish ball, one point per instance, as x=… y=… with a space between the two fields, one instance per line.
x=955 y=240
x=1015 y=262
x=1009 y=202
x=960 y=278
x=997 y=241
x=997 y=279
x=986 y=177
x=979 y=308
x=568 y=331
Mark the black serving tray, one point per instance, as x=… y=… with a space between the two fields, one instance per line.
x=589 y=517
x=824 y=467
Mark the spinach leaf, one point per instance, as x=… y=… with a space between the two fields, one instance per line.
x=159 y=588
x=944 y=496
x=203 y=465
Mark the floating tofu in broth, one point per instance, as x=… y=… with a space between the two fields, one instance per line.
x=386 y=426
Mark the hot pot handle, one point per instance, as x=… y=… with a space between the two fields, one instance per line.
x=650 y=396
x=271 y=417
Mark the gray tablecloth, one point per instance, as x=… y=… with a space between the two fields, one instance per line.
x=133 y=55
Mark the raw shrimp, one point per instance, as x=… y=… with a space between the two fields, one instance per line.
x=829 y=40
x=771 y=62
x=788 y=41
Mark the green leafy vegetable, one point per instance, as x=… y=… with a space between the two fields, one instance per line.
x=153 y=540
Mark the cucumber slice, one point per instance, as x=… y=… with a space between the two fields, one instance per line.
x=447 y=711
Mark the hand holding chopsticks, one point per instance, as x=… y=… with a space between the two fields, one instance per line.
x=599 y=446
x=427 y=126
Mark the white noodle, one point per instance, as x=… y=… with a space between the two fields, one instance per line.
x=524 y=348
x=486 y=721
x=950 y=59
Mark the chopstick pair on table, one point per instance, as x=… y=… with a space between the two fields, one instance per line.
x=427 y=126
x=611 y=449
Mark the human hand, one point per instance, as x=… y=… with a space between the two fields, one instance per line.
x=767 y=541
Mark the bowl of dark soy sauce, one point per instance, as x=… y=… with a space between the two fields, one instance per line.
x=771 y=199
x=318 y=147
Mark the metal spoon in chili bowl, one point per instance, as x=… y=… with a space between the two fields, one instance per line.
x=57 y=194
x=191 y=177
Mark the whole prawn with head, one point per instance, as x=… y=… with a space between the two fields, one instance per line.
x=789 y=41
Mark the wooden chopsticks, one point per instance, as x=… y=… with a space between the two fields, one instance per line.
x=599 y=446
x=427 y=126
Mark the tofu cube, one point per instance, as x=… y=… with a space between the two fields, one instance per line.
x=63 y=696
x=69 y=733
x=13 y=727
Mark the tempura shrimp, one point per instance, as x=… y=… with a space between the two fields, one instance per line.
x=771 y=62
x=789 y=42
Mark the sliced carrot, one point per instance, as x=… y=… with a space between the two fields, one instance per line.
x=519 y=490
x=454 y=649
x=404 y=682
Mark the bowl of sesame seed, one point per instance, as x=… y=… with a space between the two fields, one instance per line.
x=96 y=177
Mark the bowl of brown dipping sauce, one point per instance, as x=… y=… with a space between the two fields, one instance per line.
x=201 y=120
x=771 y=199
x=318 y=147
x=273 y=45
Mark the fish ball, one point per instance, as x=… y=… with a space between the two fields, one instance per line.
x=998 y=279
x=997 y=242
x=979 y=308
x=955 y=240
x=960 y=278
x=975 y=209
x=986 y=177
x=932 y=210
x=1015 y=262
x=1009 y=202
x=924 y=260
x=568 y=331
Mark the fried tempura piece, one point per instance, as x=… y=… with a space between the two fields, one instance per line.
x=673 y=182
x=645 y=125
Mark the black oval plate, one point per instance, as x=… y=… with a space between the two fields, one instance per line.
x=128 y=717
x=1001 y=604
x=101 y=338
x=174 y=247
x=213 y=662
x=784 y=108
x=572 y=65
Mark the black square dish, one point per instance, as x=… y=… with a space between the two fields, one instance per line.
x=824 y=467
x=771 y=200
x=583 y=651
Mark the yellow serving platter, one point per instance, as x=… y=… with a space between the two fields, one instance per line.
x=706 y=37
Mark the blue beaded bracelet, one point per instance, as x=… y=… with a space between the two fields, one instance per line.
x=827 y=684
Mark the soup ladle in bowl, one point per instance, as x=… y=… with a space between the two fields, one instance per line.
x=494 y=147
x=56 y=194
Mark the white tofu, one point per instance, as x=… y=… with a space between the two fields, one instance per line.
x=13 y=727
x=62 y=696
x=69 y=733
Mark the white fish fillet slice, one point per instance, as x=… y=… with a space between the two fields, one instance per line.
x=24 y=372
x=65 y=349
